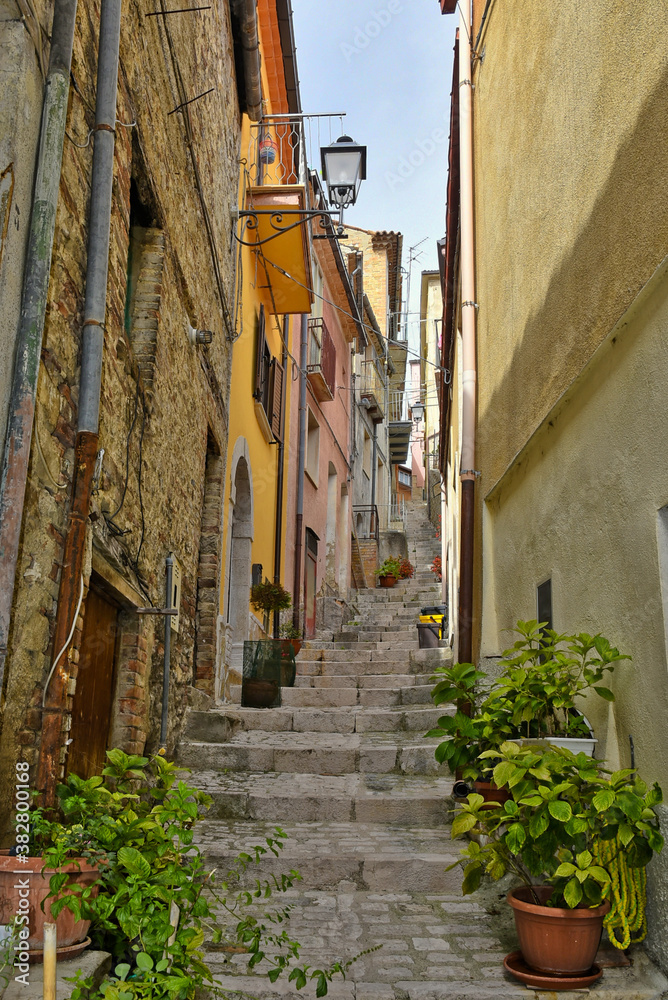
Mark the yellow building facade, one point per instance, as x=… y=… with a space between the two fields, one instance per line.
x=254 y=498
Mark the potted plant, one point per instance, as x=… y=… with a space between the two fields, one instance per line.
x=475 y=727
x=48 y=859
x=436 y=568
x=292 y=634
x=388 y=573
x=562 y=807
x=543 y=675
x=157 y=896
x=406 y=569
x=270 y=597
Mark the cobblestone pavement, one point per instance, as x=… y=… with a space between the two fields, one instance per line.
x=343 y=768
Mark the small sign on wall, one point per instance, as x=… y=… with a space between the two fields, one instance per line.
x=176 y=593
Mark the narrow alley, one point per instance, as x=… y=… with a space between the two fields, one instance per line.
x=343 y=768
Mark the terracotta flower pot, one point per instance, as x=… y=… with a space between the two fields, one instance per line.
x=561 y=942
x=388 y=580
x=18 y=878
x=491 y=793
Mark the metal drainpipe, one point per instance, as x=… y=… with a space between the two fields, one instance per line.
x=166 y=666
x=280 y=476
x=251 y=52
x=303 y=360
x=468 y=312
x=89 y=391
x=33 y=308
x=374 y=466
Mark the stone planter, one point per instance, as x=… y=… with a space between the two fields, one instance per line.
x=18 y=878
x=560 y=942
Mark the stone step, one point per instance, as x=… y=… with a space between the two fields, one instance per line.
x=340 y=697
x=362 y=680
x=356 y=668
x=368 y=855
x=220 y=725
x=313 y=798
x=316 y=753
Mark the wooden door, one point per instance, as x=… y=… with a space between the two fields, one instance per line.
x=310 y=582
x=93 y=698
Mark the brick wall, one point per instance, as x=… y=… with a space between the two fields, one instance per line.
x=162 y=398
x=368 y=551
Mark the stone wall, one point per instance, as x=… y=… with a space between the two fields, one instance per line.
x=163 y=401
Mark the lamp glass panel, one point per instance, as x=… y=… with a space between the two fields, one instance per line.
x=343 y=168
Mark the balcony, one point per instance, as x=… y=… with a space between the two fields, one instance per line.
x=321 y=366
x=275 y=190
x=372 y=388
x=399 y=426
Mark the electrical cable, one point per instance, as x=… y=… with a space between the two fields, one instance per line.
x=345 y=312
x=67 y=642
x=59 y=486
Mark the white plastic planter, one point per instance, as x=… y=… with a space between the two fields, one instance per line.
x=575 y=745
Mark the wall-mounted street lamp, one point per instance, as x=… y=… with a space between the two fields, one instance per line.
x=343 y=170
x=417 y=412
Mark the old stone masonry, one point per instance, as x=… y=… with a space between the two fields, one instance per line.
x=344 y=769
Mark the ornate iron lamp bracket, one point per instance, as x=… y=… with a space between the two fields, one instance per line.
x=277 y=223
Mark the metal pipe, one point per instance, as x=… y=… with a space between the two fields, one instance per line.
x=100 y=218
x=280 y=476
x=16 y=454
x=374 y=465
x=301 y=465
x=169 y=603
x=89 y=392
x=251 y=52
x=468 y=320
x=50 y=962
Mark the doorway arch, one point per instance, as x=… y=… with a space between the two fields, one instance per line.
x=240 y=539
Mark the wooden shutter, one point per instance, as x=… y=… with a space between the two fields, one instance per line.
x=276 y=399
x=260 y=347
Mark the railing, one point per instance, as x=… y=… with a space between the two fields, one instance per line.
x=398 y=511
x=321 y=366
x=365 y=519
x=397 y=410
x=276 y=152
x=372 y=388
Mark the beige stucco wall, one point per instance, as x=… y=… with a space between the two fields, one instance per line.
x=571 y=156
x=571 y=160
x=581 y=506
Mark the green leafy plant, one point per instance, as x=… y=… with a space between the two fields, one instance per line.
x=562 y=805
x=534 y=697
x=289 y=631
x=270 y=597
x=391 y=567
x=478 y=724
x=543 y=674
x=157 y=900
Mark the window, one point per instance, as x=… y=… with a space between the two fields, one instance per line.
x=268 y=384
x=318 y=286
x=405 y=477
x=312 y=448
x=544 y=602
x=366 y=455
x=262 y=363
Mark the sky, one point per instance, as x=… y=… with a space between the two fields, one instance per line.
x=388 y=65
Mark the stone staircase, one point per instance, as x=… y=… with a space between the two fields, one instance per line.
x=343 y=768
